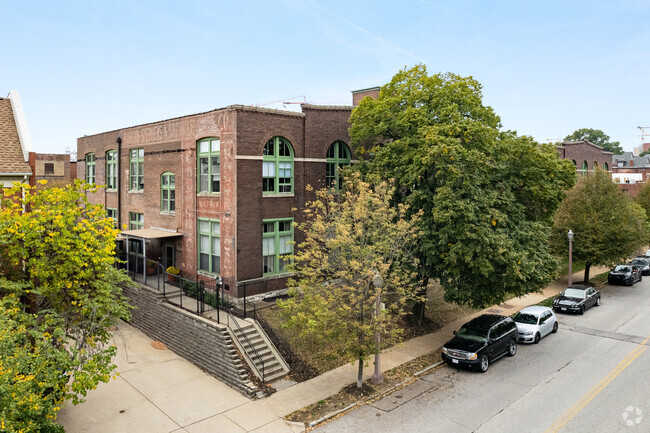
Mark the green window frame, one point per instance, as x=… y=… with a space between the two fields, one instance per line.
x=209 y=165
x=338 y=156
x=606 y=166
x=90 y=168
x=136 y=169
x=277 y=244
x=167 y=192
x=111 y=170
x=585 y=168
x=209 y=231
x=136 y=221
x=277 y=166
x=111 y=212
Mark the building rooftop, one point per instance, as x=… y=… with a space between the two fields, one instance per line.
x=12 y=155
x=628 y=160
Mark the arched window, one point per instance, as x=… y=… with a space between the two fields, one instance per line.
x=90 y=168
x=209 y=160
x=277 y=166
x=111 y=170
x=575 y=163
x=338 y=156
x=595 y=165
x=585 y=167
x=167 y=192
x=606 y=166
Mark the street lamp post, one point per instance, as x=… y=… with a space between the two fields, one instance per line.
x=570 y=236
x=377 y=377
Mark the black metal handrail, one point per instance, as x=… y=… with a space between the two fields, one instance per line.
x=239 y=328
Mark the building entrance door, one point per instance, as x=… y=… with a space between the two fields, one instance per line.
x=168 y=255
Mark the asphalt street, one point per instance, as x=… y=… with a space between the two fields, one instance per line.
x=592 y=376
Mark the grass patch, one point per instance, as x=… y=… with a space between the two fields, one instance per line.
x=351 y=394
x=600 y=278
x=564 y=267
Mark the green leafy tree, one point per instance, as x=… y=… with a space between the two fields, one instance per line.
x=608 y=226
x=487 y=196
x=356 y=253
x=597 y=137
x=59 y=298
x=643 y=199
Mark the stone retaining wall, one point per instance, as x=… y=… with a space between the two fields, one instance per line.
x=202 y=342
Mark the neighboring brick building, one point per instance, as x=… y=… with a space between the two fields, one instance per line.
x=585 y=155
x=54 y=168
x=215 y=193
x=358 y=95
x=15 y=143
x=630 y=172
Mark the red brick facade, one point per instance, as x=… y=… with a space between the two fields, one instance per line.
x=239 y=206
x=585 y=155
x=54 y=168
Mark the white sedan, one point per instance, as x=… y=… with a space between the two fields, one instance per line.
x=535 y=322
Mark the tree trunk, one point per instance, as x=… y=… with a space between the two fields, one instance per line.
x=360 y=373
x=587 y=266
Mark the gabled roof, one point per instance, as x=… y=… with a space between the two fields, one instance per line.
x=584 y=142
x=626 y=157
x=13 y=154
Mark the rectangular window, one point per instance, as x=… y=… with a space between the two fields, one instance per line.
x=209 y=165
x=136 y=167
x=136 y=221
x=277 y=245
x=168 y=193
x=111 y=170
x=90 y=168
x=48 y=168
x=268 y=176
x=209 y=245
x=112 y=213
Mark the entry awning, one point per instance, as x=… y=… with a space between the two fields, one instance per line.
x=148 y=234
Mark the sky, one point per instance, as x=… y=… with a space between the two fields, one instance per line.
x=547 y=67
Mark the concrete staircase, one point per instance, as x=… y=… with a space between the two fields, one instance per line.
x=259 y=352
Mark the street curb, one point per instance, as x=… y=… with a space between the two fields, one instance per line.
x=374 y=397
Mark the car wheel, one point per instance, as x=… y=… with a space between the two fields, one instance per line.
x=537 y=337
x=512 y=348
x=554 y=327
x=582 y=309
x=598 y=301
x=485 y=363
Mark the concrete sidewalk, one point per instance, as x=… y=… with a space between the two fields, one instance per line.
x=159 y=391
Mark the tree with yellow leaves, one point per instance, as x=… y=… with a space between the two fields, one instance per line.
x=59 y=297
x=356 y=256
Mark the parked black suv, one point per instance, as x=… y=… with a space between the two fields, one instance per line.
x=482 y=341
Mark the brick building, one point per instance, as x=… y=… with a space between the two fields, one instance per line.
x=56 y=169
x=585 y=155
x=216 y=193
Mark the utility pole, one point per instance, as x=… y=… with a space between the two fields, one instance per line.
x=643 y=135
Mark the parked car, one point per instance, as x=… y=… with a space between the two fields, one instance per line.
x=624 y=274
x=481 y=341
x=576 y=299
x=643 y=263
x=535 y=322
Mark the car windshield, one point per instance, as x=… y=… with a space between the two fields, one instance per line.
x=640 y=262
x=529 y=319
x=574 y=293
x=472 y=334
x=621 y=268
